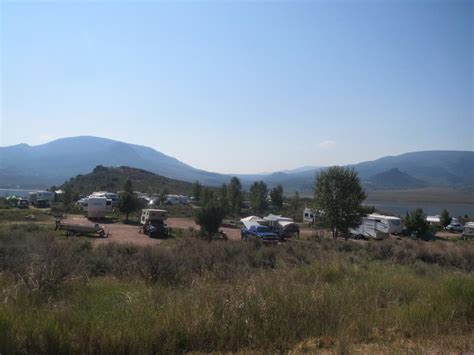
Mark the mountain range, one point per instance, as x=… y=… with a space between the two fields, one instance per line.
x=25 y=166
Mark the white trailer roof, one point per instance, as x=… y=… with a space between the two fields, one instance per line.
x=376 y=215
x=251 y=221
x=273 y=217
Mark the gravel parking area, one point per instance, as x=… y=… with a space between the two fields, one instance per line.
x=119 y=232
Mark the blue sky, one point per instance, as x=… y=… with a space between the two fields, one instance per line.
x=242 y=87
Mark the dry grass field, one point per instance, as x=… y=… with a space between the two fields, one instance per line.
x=315 y=295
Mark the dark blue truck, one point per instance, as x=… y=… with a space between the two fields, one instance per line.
x=262 y=233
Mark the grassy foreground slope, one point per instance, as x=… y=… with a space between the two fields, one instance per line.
x=63 y=296
x=113 y=179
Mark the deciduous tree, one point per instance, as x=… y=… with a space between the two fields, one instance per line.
x=339 y=195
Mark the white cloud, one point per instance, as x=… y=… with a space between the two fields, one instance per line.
x=327 y=144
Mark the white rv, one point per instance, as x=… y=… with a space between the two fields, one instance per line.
x=369 y=229
x=109 y=195
x=387 y=224
x=434 y=220
x=97 y=206
x=40 y=195
x=468 y=231
x=308 y=215
x=378 y=226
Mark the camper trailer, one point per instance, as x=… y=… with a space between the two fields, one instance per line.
x=308 y=215
x=97 y=207
x=285 y=227
x=434 y=220
x=468 y=231
x=44 y=196
x=369 y=229
x=378 y=226
x=108 y=195
x=387 y=224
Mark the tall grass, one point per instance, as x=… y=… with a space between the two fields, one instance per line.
x=228 y=297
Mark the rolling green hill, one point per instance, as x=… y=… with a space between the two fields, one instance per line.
x=113 y=179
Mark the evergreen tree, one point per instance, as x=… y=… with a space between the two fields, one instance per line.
x=276 y=195
x=128 y=200
x=445 y=218
x=197 y=190
x=415 y=221
x=258 y=197
x=235 y=195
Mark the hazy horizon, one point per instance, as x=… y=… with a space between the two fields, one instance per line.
x=298 y=168
x=242 y=87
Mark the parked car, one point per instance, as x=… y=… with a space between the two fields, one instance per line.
x=454 y=227
x=156 y=229
x=23 y=204
x=260 y=232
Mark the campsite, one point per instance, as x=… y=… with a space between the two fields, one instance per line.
x=236 y=177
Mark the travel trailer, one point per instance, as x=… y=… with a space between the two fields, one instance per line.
x=109 y=195
x=387 y=224
x=34 y=197
x=97 y=206
x=308 y=215
x=468 y=231
x=378 y=226
x=368 y=229
x=434 y=220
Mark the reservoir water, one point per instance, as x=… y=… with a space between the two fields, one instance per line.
x=10 y=192
x=430 y=208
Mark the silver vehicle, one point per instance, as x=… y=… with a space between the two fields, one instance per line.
x=454 y=227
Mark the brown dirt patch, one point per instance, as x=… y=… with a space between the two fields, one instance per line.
x=186 y=223
x=119 y=232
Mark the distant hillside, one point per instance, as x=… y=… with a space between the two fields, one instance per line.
x=24 y=166
x=113 y=179
x=394 y=179
x=52 y=163
x=436 y=168
x=453 y=169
